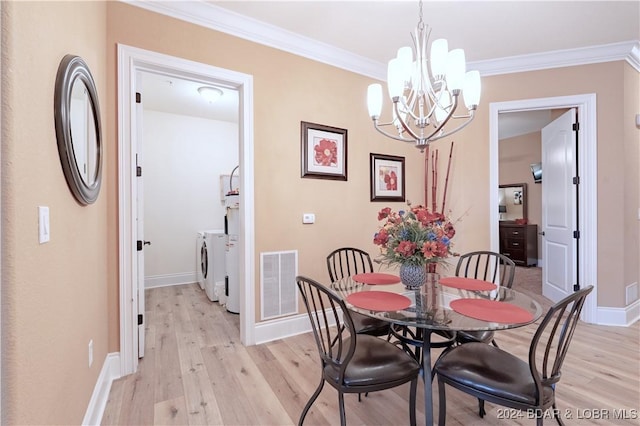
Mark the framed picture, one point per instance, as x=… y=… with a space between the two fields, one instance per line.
x=323 y=151
x=517 y=197
x=387 y=177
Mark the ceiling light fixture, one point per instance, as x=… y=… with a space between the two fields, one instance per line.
x=211 y=94
x=425 y=99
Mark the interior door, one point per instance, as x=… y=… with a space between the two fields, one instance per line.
x=559 y=207
x=140 y=219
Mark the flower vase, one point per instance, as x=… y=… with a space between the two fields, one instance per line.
x=413 y=276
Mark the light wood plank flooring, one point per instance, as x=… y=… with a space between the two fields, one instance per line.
x=196 y=372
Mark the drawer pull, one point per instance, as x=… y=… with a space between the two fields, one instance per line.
x=515 y=233
x=515 y=244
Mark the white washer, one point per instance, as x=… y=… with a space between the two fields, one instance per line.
x=201 y=251
x=214 y=273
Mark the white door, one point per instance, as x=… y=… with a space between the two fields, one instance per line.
x=559 y=203
x=140 y=221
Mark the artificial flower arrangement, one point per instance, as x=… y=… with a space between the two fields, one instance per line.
x=416 y=236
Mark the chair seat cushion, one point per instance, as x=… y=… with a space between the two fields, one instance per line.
x=493 y=371
x=368 y=325
x=375 y=362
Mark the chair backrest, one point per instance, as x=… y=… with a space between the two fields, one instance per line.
x=488 y=266
x=347 y=261
x=552 y=338
x=330 y=322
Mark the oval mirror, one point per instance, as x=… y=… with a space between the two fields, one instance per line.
x=78 y=130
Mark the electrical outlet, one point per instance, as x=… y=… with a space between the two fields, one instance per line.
x=308 y=218
x=90 y=352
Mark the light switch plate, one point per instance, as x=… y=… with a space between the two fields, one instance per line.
x=43 y=224
x=308 y=218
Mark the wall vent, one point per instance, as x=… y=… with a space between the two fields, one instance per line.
x=278 y=288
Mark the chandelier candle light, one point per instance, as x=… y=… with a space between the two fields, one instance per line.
x=425 y=99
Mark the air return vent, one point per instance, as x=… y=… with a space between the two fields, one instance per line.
x=278 y=290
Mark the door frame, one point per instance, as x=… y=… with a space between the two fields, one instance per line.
x=587 y=190
x=131 y=60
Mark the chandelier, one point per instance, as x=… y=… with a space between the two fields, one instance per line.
x=425 y=94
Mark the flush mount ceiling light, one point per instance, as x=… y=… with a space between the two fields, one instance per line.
x=211 y=94
x=425 y=98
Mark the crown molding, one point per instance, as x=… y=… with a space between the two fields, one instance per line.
x=223 y=20
x=624 y=51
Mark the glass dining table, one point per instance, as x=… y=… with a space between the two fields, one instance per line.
x=451 y=304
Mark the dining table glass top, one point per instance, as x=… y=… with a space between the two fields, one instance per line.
x=440 y=306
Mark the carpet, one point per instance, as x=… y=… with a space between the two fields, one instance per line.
x=529 y=281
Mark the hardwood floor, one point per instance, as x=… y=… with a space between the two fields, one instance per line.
x=196 y=371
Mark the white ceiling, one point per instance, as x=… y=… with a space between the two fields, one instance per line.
x=484 y=29
x=374 y=30
x=178 y=96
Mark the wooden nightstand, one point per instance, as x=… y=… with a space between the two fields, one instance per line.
x=519 y=243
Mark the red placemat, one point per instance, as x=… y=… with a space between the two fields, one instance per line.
x=491 y=310
x=467 y=283
x=375 y=278
x=379 y=300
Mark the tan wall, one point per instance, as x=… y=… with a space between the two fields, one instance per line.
x=54 y=295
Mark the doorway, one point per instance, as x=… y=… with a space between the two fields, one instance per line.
x=587 y=190
x=132 y=61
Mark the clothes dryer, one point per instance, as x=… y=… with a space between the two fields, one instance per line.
x=201 y=258
x=214 y=273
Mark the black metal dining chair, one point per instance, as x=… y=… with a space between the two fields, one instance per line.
x=492 y=374
x=351 y=362
x=347 y=261
x=487 y=266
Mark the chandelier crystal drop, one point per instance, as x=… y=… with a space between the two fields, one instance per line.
x=425 y=93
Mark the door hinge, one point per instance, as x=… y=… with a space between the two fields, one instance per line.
x=576 y=180
x=576 y=287
x=576 y=234
x=139 y=245
x=138 y=98
x=138 y=171
x=140 y=319
x=576 y=127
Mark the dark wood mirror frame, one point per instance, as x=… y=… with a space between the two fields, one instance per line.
x=73 y=69
x=523 y=198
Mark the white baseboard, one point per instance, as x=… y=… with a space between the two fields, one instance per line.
x=281 y=328
x=110 y=372
x=170 y=279
x=622 y=317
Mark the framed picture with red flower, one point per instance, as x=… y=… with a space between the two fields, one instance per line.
x=324 y=151
x=387 y=177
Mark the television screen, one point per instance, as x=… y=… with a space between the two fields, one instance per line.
x=536 y=170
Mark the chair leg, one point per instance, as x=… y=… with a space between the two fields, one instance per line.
x=442 y=405
x=412 y=402
x=343 y=417
x=481 y=411
x=556 y=414
x=310 y=402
